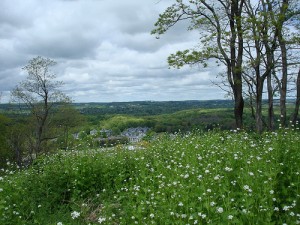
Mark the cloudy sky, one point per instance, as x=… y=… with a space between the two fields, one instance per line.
x=103 y=49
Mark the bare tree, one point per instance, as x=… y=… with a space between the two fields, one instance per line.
x=40 y=92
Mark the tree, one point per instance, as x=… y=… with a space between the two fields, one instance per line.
x=5 y=152
x=220 y=22
x=285 y=18
x=253 y=39
x=66 y=118
x=260 y=44
x=297 y=105
x=40 y=93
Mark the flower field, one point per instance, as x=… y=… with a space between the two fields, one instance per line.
x=195 y=178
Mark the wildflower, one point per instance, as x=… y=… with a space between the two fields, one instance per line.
x=151 y=215
x=220 y=210
x=101 y=219
x=217 y=177
x=180 y=204
x=183 y=216
x=59 y=223
x=247 y=188
x=75 y=215
x=230 y=217
x=272 y=192
x=186 y=176
x=228 y=169
x=286 y=208
x=1 y=178
x=196 y=222
x=1 y=189
x=212 y=204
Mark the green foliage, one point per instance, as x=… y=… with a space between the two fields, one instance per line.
x=5 y=152
x=120 y=123
x=188 y=57
x=214 y=177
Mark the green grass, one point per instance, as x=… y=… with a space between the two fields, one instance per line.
x=196 y=178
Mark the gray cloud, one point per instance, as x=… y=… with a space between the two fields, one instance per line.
x=104 y=50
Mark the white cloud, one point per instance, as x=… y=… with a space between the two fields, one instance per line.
x=104 y=49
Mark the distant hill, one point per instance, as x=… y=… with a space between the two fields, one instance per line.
x=148 y=108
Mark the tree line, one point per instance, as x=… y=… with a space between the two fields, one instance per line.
x=256 y=41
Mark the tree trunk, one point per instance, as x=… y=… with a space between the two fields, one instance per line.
x=258 y=115
x=236 y=54
x=38 y=146
x=271 y=125
x=283 y=83
x=238 y=106
x=297 y=104
x=284 y=62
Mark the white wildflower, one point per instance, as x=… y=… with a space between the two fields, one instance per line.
x=75 y=214
x=186 y=176
x=228 y=169
x=220 y=210
x=101 y=219
x=286 y=208
x=217 y=177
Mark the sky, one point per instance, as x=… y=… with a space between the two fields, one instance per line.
x=103 y=49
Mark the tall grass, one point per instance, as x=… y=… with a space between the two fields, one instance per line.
x=195 y=178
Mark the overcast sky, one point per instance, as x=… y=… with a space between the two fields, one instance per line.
x=103 y=49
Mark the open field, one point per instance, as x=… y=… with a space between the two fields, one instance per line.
x=194 y=178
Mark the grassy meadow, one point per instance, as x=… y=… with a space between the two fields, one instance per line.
x=217 y=177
